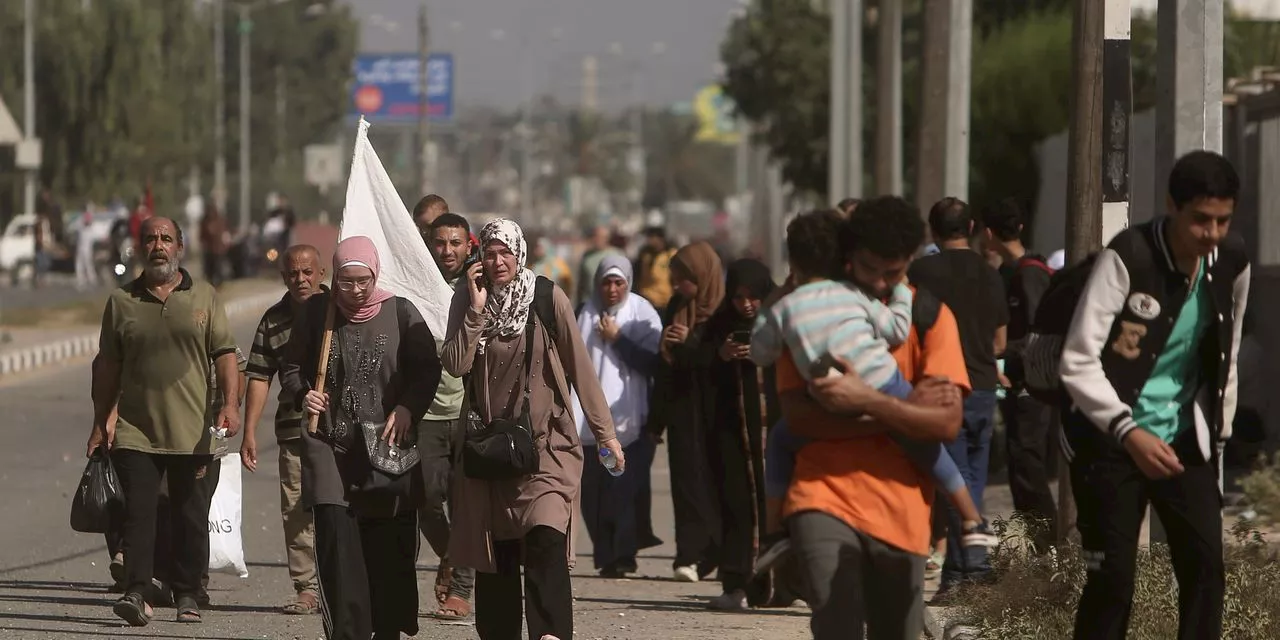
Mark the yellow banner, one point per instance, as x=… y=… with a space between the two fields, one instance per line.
x=715 y=113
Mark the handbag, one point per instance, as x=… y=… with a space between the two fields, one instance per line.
x=503 y=449
x=389 y=457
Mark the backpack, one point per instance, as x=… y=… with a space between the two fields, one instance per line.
x=544 y=306
x=925 y=308
x=1042 y=350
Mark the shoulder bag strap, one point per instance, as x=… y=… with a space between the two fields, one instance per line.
x=530 y=334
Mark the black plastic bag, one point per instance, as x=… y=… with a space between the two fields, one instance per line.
x=99 y=500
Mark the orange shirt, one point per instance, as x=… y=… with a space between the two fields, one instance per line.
x=868 y=482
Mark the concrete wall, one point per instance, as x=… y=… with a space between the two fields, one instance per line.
x=1050 y=228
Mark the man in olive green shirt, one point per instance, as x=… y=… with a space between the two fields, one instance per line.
x=160 y=335
x=450 y=243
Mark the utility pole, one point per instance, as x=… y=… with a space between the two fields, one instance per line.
x=943 y=163
x=29 y=99
x=853 y=102
x=246 y=28
x=424 y=107
x=838 y=136
x=960 y=63
x=281 y=127
x=590 y=75
x=934 y=72
x=1084 y=179
x=219 y=109
x=889 y=98
x=1188 y=82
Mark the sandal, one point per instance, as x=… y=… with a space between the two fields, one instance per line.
x=188 y=610
x=453 y=608
x=306 y=604
x=133 y=609
x=443 y=578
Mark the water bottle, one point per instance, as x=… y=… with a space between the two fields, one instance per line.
x=610 y=462
x=220 y=436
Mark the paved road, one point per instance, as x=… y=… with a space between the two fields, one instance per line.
x=53 y=581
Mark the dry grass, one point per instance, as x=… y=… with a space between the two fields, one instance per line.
x=1034 y=597
x=1262 y=488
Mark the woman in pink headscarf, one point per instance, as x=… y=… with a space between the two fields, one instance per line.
x=358 y=475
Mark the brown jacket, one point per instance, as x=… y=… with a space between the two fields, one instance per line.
x=507 y=510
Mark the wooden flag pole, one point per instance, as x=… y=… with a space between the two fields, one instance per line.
x=322 y=367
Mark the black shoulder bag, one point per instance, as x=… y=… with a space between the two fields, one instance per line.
x=504 y=449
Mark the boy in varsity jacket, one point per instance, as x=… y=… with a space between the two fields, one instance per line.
x=1150 y=367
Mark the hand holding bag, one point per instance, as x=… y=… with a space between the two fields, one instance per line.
x=503 y=449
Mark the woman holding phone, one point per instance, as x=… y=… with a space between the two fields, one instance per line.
x=683 y=405
x=746 y=404
x=523 y=358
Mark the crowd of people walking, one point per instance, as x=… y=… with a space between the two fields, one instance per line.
x=808 y=424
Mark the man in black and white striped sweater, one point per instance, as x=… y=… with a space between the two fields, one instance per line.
x=1150 y=366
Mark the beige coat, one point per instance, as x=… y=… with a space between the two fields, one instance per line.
x=485 y=511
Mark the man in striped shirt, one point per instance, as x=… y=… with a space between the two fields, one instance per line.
x=301 y=269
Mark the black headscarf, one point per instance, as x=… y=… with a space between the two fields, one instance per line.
x=757 y=279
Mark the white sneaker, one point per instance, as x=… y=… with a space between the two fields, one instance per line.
x=729 y=601
x=686 y=574
x=549 y=637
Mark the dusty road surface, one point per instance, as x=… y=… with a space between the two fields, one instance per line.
x=53 y=581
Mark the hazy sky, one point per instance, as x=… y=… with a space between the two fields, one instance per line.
x=497 y=43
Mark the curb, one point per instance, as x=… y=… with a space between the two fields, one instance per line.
x=86 y=343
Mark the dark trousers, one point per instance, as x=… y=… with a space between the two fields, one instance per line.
x=1028 y=425
x=855 y=581
x=435 y=444
x=611 y=507
x=693 y=496
x=368 y=583
x=547 y=598
x=971 y=451
x=190 y=494
x=739 y=468
x=163 y=558
x=1112 y=496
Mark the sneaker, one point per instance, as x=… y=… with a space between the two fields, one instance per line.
x=735 y=600
x=686 y=574
x=980 y=536
x=772 y=555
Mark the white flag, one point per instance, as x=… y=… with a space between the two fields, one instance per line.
x=374 y=210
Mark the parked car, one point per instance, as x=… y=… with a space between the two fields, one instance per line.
x=18 y=250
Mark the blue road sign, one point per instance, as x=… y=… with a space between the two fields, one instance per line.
x=385 y=87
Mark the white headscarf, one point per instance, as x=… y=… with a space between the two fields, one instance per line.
x=508 y=307
x=625 y=389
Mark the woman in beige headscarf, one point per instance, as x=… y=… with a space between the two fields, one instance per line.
x=683 y=406
x=505 y=525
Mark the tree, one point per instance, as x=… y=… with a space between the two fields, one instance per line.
x=778 y=73
x=124 y=92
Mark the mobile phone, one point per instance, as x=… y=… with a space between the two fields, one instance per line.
x=826 y=366
x=741 y=337
x=472 y=258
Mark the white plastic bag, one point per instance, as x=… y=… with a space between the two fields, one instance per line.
x=226 y=549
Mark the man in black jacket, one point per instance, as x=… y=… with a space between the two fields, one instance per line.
x=1026 y=420
x=1150 y=365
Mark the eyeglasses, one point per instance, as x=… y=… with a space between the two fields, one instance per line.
x=352 y=285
